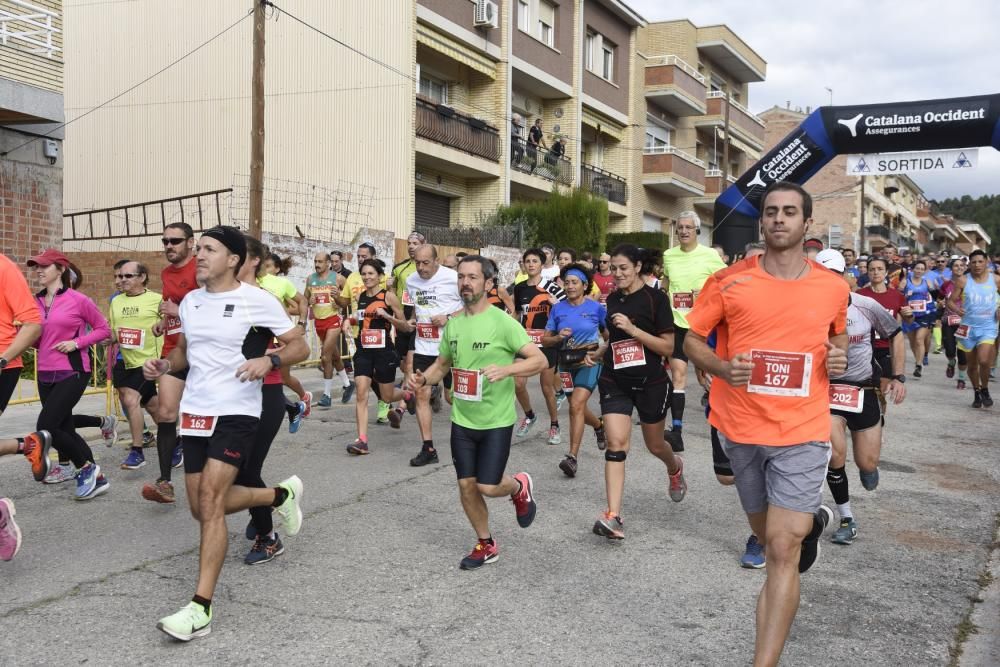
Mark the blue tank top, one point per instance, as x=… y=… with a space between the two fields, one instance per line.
x=980 y=302
x=920 y=292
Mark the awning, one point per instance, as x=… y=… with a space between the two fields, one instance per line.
x=452 y=49
x=604 y=124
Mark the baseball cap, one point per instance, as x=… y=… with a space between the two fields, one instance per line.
x=48 y=257
x=831 y=259
x=813 y=243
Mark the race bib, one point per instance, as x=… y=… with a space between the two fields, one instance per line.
x=372 y=338
x=684 y=300
x=780 y=373
x=322 y=297
x=429 y=332
x=954 y=320
x=131 y=339
x=536 y=336
x=198 y=426
x=847 y=398
x=466 y=385
x=962 y=331
x=627 y=353
x=603 y=299
x=918 y=306
x=566 y=379
x=173 y=325
x=406 y=298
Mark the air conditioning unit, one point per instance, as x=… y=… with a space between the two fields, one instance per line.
x=487 y=14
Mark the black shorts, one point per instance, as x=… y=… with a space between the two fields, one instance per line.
x=481 y=454
x=648 y=397
x=132 y=378
x=8 y=383
x=551 y=355
x=421 y=362
x=719 y=459
x=378 y=364
x=678 y=354
x=180 y=375
x=232 y=443
x=870 y=415
x=883 y=358
x=404 y=343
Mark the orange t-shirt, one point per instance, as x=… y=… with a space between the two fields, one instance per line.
x=16 y=305
x=786 y=323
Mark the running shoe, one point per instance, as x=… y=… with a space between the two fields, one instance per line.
x=987 y=399
x=927 y=360
x=135 y=460
x=524 y=500
x=382 y=420
x=36 y=450
x=869 y=480
x=675 y=439
x=10 y=533
x=480 y=555
x=753 y=558
x=949 y=371
x=264 y=549
x=101 y=487
x=109 y=430
x=290 y=511
x=348 y=392
x=86 y=479
x=395 y=417
x=358 y=447
x=938 y=350
x=148 y=438
x=554 y=437
x=960 y=384
x=59 y=474
x=424 y=457
x=810 y=545
x=190 y=622
x=177 y=458
x=610 y=526
x=568 y=465
x=847 y=533
x=436 y=398
x=307 y=398
x=324 y=401
x=602 y=438
x=977 y=401
x=560 y=399
x=917 y=371
x=524 y=426
x=295 y=422
x=678 y=486
x=160 y=492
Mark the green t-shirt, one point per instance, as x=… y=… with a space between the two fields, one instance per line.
x=280 y=287
x=473 y=343
x=687 y=273
x=132 y=320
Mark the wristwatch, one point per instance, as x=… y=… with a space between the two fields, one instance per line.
x=899 y=378
x=275 y=361
x=3 y=363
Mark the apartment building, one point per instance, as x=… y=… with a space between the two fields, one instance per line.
x=31 y=106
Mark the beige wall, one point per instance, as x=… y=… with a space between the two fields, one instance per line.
x=330 y=114
x=557 y=61
x=462 y=13
x=616 y=93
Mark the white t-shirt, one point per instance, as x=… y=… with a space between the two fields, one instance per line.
x=437 y=296
x=551 y=272
x=223 y=330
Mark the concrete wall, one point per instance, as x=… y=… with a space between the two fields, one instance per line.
x=462 y=13
x=557 y=61
x=613 y=93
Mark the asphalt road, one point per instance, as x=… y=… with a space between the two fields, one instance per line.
x=373 y=577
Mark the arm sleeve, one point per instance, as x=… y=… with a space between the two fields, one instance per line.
x=884 y=323
x=554 y=316
x=602 y=317
x=709 y=309
x=663 y=315
x=270 y=314
x=516 y=337
x=444 y=347
x=23 y=306
x=839 y=323
x=99 y=329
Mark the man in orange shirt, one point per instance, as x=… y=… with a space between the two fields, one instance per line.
x=781 y=323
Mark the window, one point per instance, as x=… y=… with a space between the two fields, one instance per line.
x=588 y=54
x=657 y=135
x=608 y=60
x=599 y=55
x=716 y=85
x=433 y=89
x=546 y=23
x=836 y=236
x=651 y=223
x=523 y=16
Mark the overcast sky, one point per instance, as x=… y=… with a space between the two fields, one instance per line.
x=867 y=52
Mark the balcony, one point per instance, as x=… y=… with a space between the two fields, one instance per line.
x=726 y=49
x=29 y=28
x=604 y=184
x=673 y=172
x=743 y=124
x=887 y=235
x=538 y=161
x=444 y=125
x=715 y=183
x=675 y=86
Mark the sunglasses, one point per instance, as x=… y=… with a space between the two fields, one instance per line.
x=127 y=276
x=167 y=241
x=604 y=261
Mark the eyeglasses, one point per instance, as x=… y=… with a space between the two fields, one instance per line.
x=127 y=276
x=174 y=241
x=604 y=261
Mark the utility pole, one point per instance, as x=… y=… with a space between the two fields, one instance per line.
x=257 y=123
x=725 y=146
x=861 y=229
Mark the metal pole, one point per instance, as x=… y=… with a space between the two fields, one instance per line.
x=725 y=148
x=861 y=230
x=257 y=123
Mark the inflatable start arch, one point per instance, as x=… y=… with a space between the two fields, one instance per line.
x=961 y=122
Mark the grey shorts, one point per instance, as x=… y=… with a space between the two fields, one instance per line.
x=790 y=477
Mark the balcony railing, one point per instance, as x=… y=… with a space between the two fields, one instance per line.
x=741 y=120
x=889 y=235
x=532 y=159
x=28 y=27
x=444 y=125
x=604 y=184
x=679 y=64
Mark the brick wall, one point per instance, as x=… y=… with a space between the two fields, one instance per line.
x=30 y=209
x=96 y=267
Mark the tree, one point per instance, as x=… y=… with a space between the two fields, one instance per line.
x=985 y=211
x=574 y=219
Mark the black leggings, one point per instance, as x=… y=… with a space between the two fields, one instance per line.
x=8 y=383
x=58 y=400
x=272 y=416
x=950 y=346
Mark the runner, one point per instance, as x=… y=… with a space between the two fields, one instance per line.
x=919 y=293
x=224 y=348
x=575 y=328
x=604 y=279
x=949 y=325
x=337 y=264
x=772 y=388
x=397 y=282
x=63 y=363
x=975 y=299
x=379 y=311
x=480 y=349
x=135 y=312
x=272 y=278
x=434 y=289
x=633 y=377
x=893 y=301
x=348 y=299
x=854 y=404
x=323 y=288
x=533 y=299
x=550 y=270
x=686 y=267
x=498 y=295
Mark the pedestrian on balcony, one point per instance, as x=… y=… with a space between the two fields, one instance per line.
x=557 y=151
x=516 y=148
x=536 y=140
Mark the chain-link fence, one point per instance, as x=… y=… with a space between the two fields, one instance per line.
x=508 y=236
